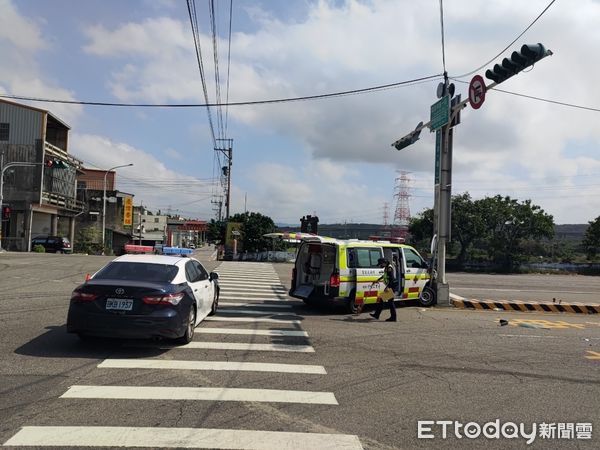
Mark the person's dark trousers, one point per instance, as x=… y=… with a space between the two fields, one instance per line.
x=379 y=308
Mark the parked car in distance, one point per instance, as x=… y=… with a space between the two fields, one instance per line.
x=192 y=246
x=53 y=244
x=144 y=296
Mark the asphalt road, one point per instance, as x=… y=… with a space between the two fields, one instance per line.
x=530 y=287
x=434 y=364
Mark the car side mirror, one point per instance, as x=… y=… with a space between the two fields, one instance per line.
x=213 y=276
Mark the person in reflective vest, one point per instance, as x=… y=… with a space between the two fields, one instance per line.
x=390 y=281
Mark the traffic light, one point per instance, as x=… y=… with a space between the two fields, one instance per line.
x=409 y=139
x=56 y=164
x=5 y=212
x=528 y=56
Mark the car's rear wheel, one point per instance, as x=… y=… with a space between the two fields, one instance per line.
x=215 y=304
x=189 y=329
x=353 y=307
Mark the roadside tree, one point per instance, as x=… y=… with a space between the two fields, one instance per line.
x=591 y=239
x=254 y=226
x=508 y=225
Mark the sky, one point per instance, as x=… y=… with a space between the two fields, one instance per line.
x=332 y=156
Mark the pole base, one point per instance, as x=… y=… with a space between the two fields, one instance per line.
x=443 y=294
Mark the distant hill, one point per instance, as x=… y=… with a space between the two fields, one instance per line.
x=570 y=232
x=567 y=232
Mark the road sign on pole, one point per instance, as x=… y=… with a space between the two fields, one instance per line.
x=476 y=92
x=440 y=113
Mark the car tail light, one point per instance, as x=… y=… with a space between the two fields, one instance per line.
x=165 y=299
x=83 y=297
x=334 y=280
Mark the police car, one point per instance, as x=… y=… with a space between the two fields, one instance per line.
x=144 y=296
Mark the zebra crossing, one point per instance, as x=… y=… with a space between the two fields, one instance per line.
x=255 y=306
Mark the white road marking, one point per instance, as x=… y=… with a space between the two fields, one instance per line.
x=255 y=290
x=275 y=298
x=269 y=285
x=200 y=393
x=246 y=347
x=251 y=332
x=166 y=437
x=255 y=305
x=250 y=319
x=210 y=365
x=256 y=312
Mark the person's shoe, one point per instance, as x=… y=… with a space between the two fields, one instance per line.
x=374 y=316
x=390 y=320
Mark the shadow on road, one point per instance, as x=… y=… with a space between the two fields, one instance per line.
x=57 y=343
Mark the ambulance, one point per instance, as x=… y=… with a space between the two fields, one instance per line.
x=343 y=271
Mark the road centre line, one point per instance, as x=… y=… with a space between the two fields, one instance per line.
x=254 y=305
x=200 y=393
x=250 y=319
x=252 y=332
x=210 y=365
x=167 y=437
x=547 y=337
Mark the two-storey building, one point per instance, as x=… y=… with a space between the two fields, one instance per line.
x=39 y=186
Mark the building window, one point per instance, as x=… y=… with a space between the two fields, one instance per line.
x=4 y=131
x=156 y=220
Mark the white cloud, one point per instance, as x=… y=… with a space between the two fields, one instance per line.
x=21 y=42
x=21 y=32
x=149 y=179
x=345 y=45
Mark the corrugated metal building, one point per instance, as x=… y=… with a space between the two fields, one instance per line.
x=39 y=186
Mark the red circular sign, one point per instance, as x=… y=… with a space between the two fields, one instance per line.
x=476 y=92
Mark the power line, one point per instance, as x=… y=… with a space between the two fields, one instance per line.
x=540 y=99
x=509 y=45
x=228 y=63
x=207 y=105
x=191 y=4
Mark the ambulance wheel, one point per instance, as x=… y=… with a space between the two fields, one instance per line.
x=427 y=297
x=353 y=308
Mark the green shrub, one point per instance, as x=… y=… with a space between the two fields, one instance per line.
x=39 y=248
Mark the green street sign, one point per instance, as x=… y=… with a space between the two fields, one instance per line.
x=438 y=155
x=440 y=113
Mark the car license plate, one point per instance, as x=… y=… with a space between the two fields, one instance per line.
x=121 y=304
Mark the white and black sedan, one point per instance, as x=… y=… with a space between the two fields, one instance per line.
x=144 y=296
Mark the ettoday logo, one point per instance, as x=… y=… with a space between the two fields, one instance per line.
x=432 y=429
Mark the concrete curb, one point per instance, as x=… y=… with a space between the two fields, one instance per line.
x=521 y=306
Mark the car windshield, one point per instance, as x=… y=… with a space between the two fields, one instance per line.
x=156 y=273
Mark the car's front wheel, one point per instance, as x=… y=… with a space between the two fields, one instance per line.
x=189 y=329
x=427 y=297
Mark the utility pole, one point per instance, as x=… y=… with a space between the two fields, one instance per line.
x=227 y=150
